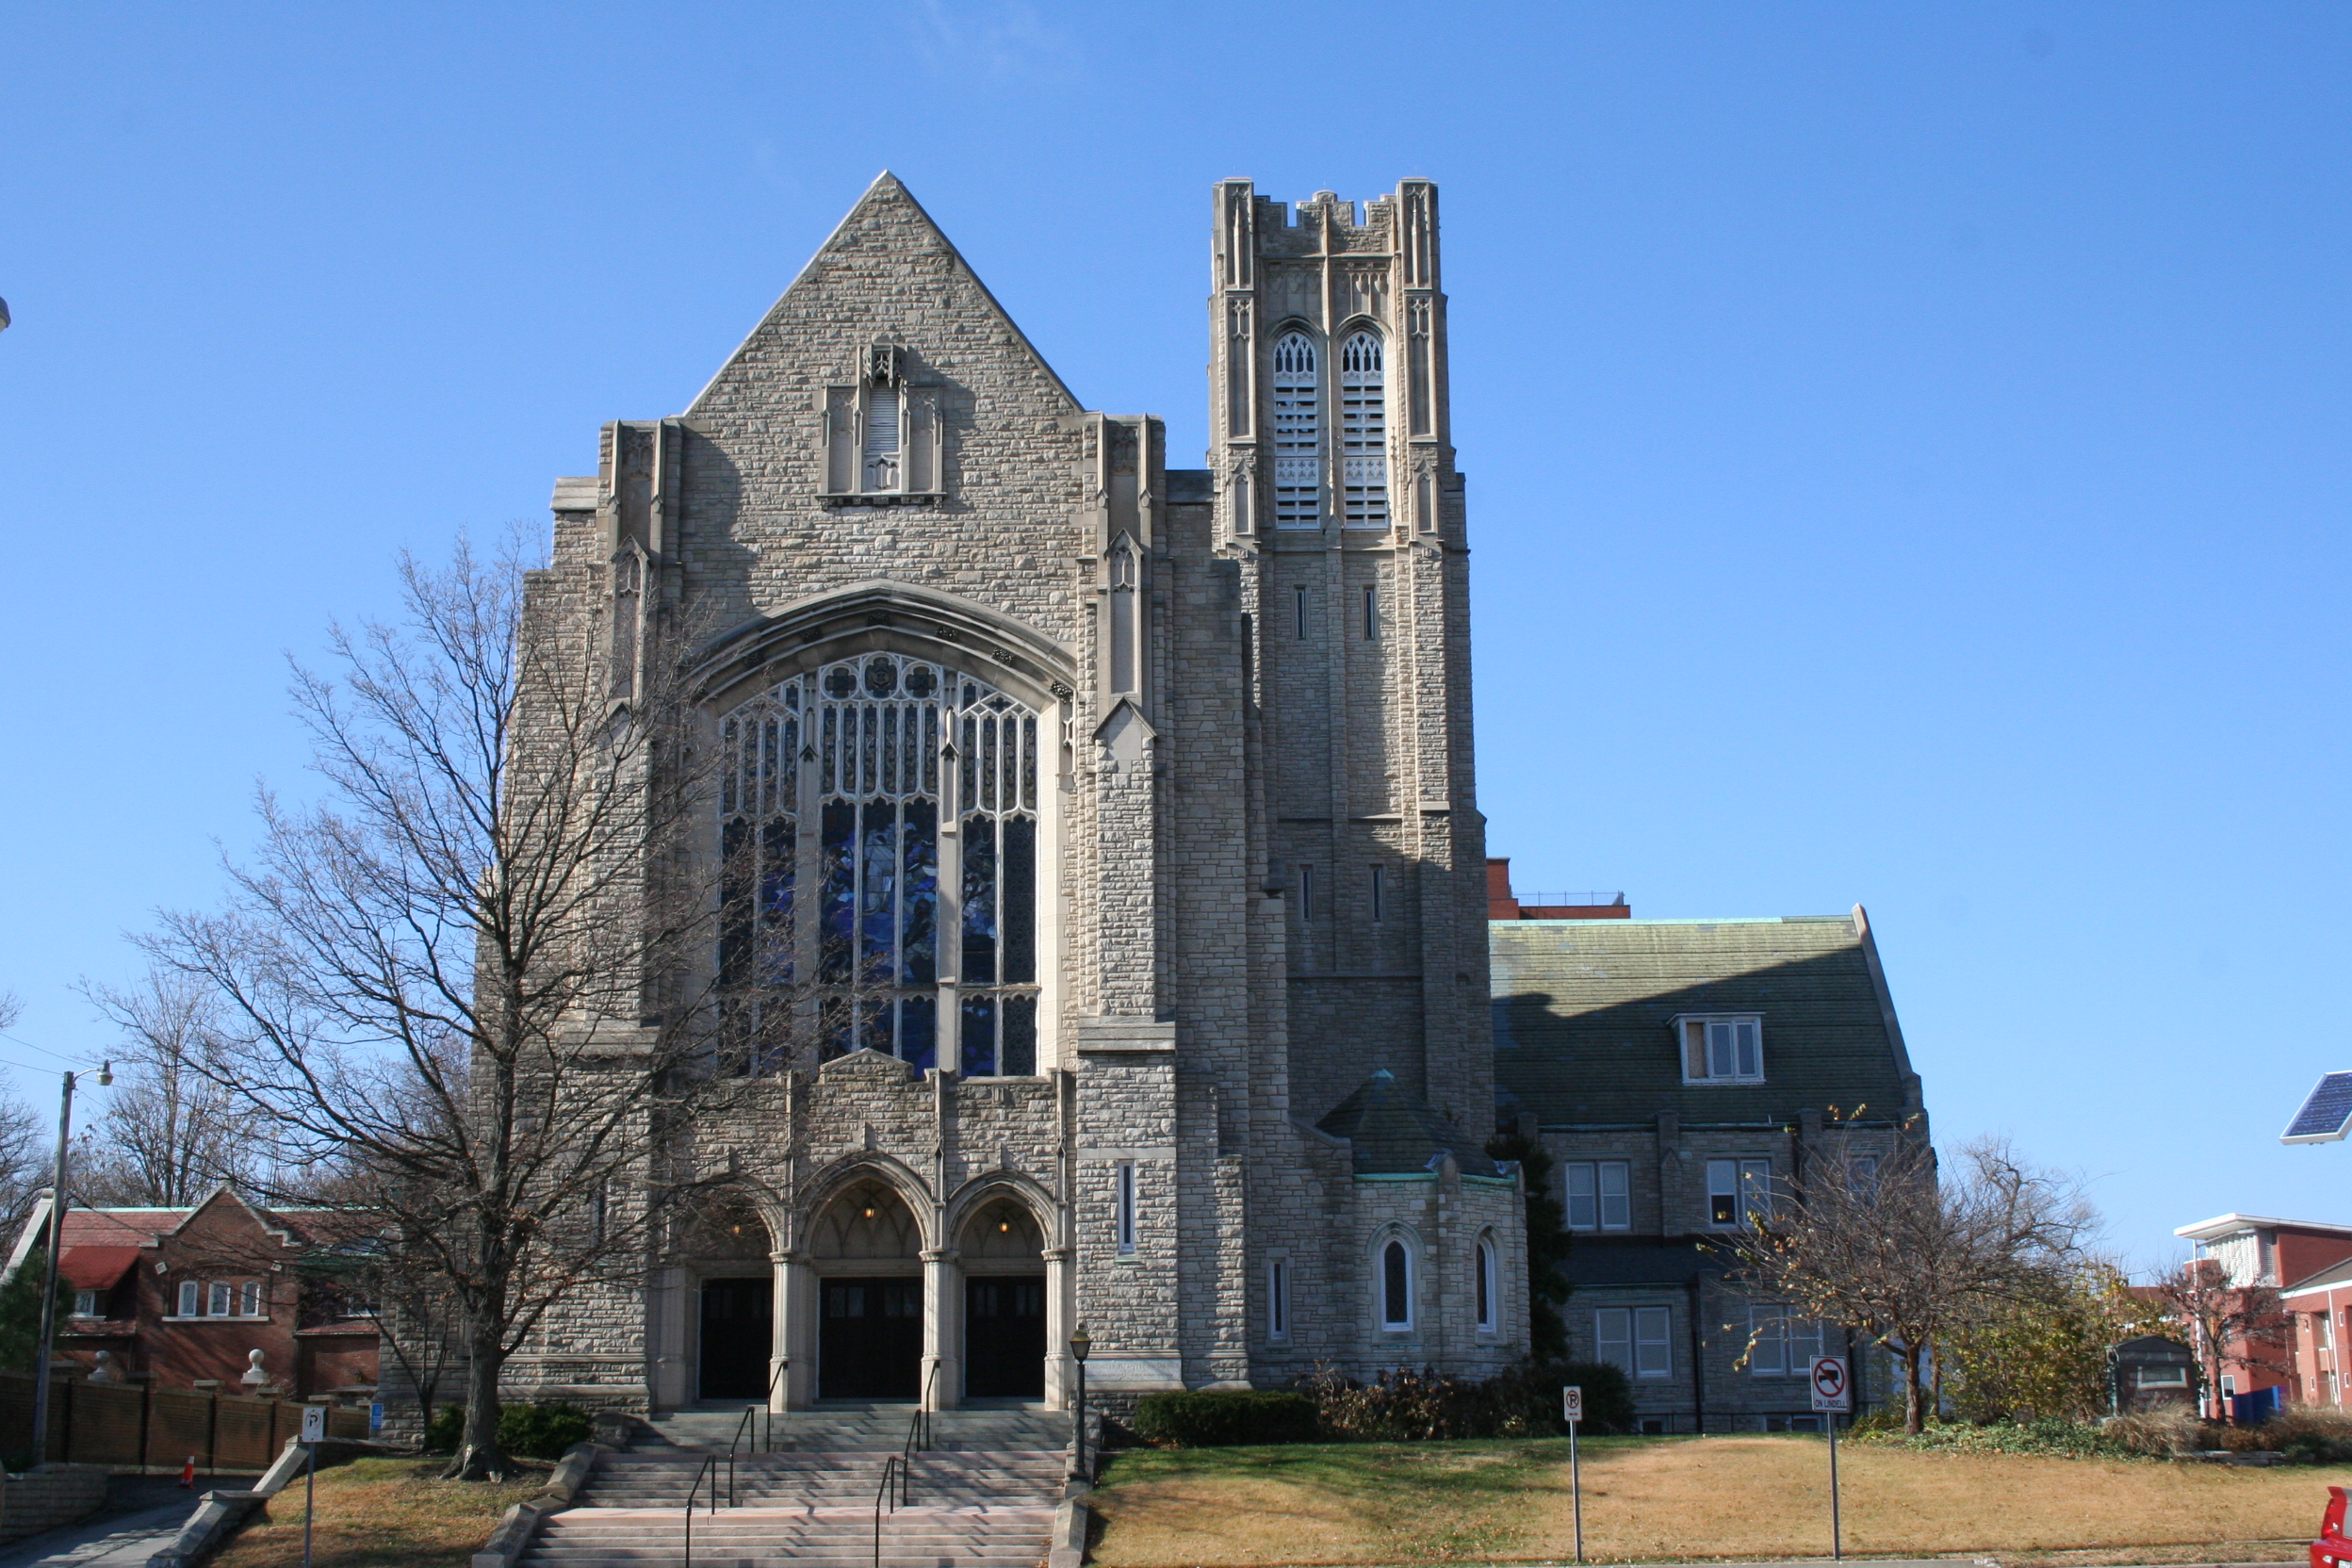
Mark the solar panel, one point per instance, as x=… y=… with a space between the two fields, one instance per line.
x=2326 y=1115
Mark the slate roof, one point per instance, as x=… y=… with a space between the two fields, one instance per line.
x=1391 y=1134
x=1582 y=1014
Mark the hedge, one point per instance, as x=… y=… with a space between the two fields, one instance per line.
x=1222 y=1418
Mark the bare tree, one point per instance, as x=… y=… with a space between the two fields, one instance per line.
x=169 y=1135
x=467 y=977
x=2226 y=1322
x=1900 y=1254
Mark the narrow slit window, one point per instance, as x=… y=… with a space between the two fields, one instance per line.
x=1298 y=608
x=1379 y=909
x=1306 y=893
x=1371 y=614
x=1124 y=1203
x=1278 y=1299
x=882 y=439
x=1486 y=1285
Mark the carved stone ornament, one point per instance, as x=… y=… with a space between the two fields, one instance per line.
x=886 y=365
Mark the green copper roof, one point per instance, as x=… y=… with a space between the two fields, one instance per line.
x=1583 y=1012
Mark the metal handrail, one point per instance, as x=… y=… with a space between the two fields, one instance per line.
x=920 y=1423
x=751 y=1413
x=709 y=1467
x=893 y=1469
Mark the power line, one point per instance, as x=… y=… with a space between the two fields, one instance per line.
x=70 y=1061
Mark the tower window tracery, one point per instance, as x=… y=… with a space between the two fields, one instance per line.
x=878 y=754
x=1297 y=432
x=1363 y=433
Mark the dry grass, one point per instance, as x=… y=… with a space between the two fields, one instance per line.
x=380 y=1513
x=1734 y=1497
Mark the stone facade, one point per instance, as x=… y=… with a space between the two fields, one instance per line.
x=1111 y=838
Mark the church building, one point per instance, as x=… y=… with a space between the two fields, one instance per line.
x=1098 y=840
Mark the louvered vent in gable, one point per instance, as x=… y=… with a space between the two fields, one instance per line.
x=884 y=436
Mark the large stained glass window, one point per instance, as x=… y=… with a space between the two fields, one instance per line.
x=878 y=785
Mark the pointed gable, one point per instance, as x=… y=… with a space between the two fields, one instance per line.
x=887 y=271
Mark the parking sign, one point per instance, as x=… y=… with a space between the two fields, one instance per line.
x=314 y=1423
x=1571 y=1403
x=1832 y=1392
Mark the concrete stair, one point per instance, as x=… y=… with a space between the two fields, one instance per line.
x=914 y=1536
x=966 y=1504
x=866 y=1429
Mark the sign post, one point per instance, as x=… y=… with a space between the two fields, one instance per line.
x=1571 y=1412
x=313 y=1432
x=1832 y=1396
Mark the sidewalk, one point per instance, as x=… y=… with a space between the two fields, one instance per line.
x=110 y=1541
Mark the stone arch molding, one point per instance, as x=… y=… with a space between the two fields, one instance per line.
x=976 y=1194
x=846 y=1172
x=887 y=616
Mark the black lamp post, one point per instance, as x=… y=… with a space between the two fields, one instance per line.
x=1080 y=1343
x=104 y=1075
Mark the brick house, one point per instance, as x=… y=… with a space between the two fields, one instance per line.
x=2319 y=1331
x=1677 y=1071
x=183 y=1296
x=2294 y=1256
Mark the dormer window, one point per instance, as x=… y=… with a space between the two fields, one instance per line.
x=883 y=436
x=1722 y=1048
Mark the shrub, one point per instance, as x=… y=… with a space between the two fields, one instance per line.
x=2307 y=1434
x=1608 y=1396
x=2065 y=1439
x=2155 y=1434
x=527 y=1431
x=1219 y=1419
x=1405 y=1406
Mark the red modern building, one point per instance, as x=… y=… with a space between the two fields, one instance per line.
x=180 y=1297
x=2290 y=1256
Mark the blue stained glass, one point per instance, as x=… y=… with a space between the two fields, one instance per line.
x=918 y=1031
x=930 y=749
x=827 y=774
x=775 y=902
x=877 y=900
x=976 y=1042
x=1021 y=1036
x=919 y=901
x=1020 y=900
x=832 y=1028
x=874 y=1024
x=837 y=865
x=979 y=901
x=726 y=777
x=889 y=750
x=735 y=912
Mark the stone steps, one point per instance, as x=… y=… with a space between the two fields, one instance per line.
x=914 y=1536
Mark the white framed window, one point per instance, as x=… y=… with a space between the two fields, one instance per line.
x=1395 y=1285
x=1725 y=1048
x=249 y=1298
x=1488 y=1287
x=2164 y=1377
x=1378 y=891
x=1298 y=433
x=1277 y=1296
x=1781 y=1345
x=1363 y=433
x=1599 y=1195
x=1738 y=1192
x=1638 y=1341
x=222 y=1302
x=1125 y=1201
x=2229 y=1385
x=85 y=1304
x=191 y=1299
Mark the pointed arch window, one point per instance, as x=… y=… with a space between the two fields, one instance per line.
x=1363 y=433
x=1396 y=1284
x=838 y=792
x=1298 y=433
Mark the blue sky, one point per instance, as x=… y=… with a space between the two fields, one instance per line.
x=1906 y=444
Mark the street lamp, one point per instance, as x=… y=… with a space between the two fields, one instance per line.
x=1080 y=1343
x=49 y=1271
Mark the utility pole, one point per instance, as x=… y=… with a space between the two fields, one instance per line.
x=49 y=1265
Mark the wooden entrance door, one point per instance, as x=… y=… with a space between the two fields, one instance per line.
x=1004 y=1336
x=737 y=1322
x=870 y=1339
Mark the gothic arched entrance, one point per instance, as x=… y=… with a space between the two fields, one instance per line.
x=867 y=1249
x=734 y=1316
x=1004 y=1302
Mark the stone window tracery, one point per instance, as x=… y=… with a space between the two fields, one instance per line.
x=1363 y=433
x=837 y=789
x=1297 y=432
